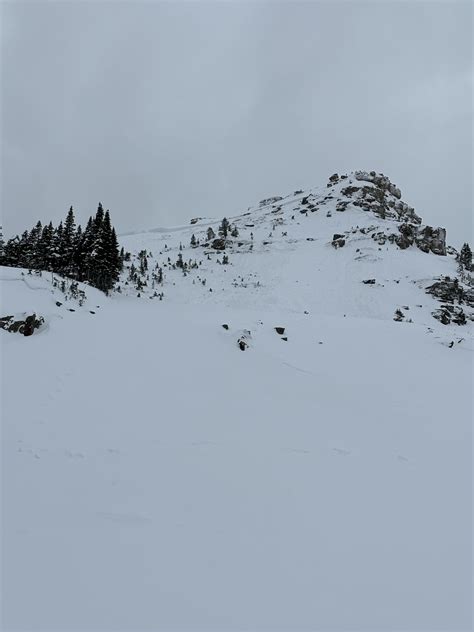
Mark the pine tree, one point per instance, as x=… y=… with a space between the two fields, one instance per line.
x=32 y=258
x=116 y=255
x=234 y=232
x=93 y=255
x=69 y=242
x=23 y=245
x=465 y=257
x=86 y=249
x=224 y=228
x=99 y=218
x=12 y=250
x=45 y=247
x=193 y=241
x=57 y=248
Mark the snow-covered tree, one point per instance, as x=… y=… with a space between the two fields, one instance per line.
x=465 y=257
x=224 y=228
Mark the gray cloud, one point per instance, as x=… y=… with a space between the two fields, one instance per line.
x=166 y=110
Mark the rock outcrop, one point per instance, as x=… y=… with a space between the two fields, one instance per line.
x=381 y=196
x=432 y=239
x=427 y=238
x=450 y=291
x=218 y=244
x=25 y=326
x=380 y=181
x=448 y=314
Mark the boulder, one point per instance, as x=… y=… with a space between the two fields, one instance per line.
x=218 y=244
x=399 y=316
x=448 y=314
x=449 y=290
x=432 y=239
x=25 y=326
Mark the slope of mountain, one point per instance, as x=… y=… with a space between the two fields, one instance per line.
x=156 y=477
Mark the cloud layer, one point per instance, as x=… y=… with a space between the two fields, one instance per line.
x=167 y=110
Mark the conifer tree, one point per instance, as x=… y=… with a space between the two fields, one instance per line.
x=12 y=252
x=57 y=248
x=69 y=238
x=210 y=234
x=465 y=257
x=224 y=228
x=45 y=247
x=91 y=255
x=32 y=247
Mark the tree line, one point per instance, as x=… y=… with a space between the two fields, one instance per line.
x=92 y=255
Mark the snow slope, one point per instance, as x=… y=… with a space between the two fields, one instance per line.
x=157 y=478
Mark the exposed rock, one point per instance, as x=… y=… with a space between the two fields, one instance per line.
x=338 y=243
x=334 y=178
x=426 y=238
x=433 y=239
x=382 y=198
x=195 y=220
x=25 y=326
x=399 y=315
x=448 y=314
x=225 y=326
x=406 y=237
x=242 y=342
x=449 y=290
x=280 y=330
x=218 y=244
x=349 y=191
x=270 y=200
x=337 y=236
x=369 y=281
x=379 y=180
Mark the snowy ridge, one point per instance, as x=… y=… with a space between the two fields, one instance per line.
x=157 y=477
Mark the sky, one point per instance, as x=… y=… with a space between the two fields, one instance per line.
x=164 y=111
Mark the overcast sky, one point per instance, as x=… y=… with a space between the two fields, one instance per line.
x=168 y=110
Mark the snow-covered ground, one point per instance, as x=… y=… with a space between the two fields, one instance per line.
x=156 y=477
